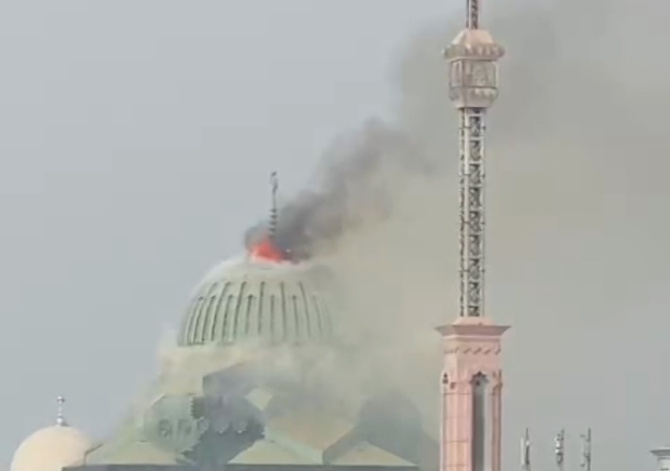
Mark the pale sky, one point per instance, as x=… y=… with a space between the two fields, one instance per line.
x=137 y=139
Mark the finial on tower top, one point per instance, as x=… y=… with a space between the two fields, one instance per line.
x=472 y=20
x=60 y=417
x=274 y=184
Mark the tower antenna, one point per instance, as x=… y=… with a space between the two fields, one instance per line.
x=525 y=452
x=559 y=449
x=586 y=450
x=60 y=417
x=274 y=186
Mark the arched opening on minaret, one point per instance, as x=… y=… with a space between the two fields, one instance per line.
x=479 y=422
x=444 y=422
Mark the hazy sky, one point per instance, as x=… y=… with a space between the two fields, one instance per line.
x=137 y=139
x=136 y=143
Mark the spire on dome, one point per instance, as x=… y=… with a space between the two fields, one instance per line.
x=274 y=185
x=265 y=248
x=60 y=417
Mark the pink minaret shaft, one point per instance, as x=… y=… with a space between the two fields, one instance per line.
x=472 y=375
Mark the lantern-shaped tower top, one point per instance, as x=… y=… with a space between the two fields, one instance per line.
x=473 y=69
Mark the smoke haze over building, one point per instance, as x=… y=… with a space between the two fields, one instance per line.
x=576 y=233
x=350 y=191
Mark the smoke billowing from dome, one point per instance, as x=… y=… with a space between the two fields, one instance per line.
x=577 y=175
x=350 y=191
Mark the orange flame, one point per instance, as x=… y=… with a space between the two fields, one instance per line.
x=267 y=250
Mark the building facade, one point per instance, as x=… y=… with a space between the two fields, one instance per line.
x=246 y=387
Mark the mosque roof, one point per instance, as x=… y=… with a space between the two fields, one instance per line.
x=239 y=419
x=250 y=299
x=134 y=452
x=366 y=454
x=362 y=454
x=128 y=447
x=268 y=452
x=297 y=438
x=244 y=405
x=309 y=432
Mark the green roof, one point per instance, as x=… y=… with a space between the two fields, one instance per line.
x=267 y=452
x=141 y=453
x=308 y=431
x=361 y=454
x=128 y=448
x=240 y=300
x=366 y=454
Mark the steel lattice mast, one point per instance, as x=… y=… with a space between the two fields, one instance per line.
x=473 y=87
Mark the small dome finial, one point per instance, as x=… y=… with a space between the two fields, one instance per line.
x=60 y=417
x=274 y=184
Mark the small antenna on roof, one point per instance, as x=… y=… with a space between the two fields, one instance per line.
x=525 y=452
x=586 y=450
x=559 y=449
x=60 y=417
x=274 y=185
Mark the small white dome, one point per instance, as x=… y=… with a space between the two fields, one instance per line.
x=51 y=449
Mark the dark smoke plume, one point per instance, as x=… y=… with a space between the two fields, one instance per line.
x=577 y=244
x=349 y=193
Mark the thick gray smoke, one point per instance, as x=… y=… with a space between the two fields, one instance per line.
x=349 y=191
x=577 y=232
x=578 y=259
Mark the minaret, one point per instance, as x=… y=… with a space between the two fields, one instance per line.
x=472 y=375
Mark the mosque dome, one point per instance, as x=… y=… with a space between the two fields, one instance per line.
x=51 y=449
x=258 y=299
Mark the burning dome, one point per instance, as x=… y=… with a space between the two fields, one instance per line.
x=213 y=408
x=257 y=298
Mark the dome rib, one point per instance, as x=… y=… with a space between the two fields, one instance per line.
x=274 y=302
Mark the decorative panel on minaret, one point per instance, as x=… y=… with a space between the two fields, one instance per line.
x=471 y=395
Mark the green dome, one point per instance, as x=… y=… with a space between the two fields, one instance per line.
x=248 y=299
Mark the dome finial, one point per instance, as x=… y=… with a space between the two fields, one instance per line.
x=60 y=417
x=274 y=185
x=265 y=248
